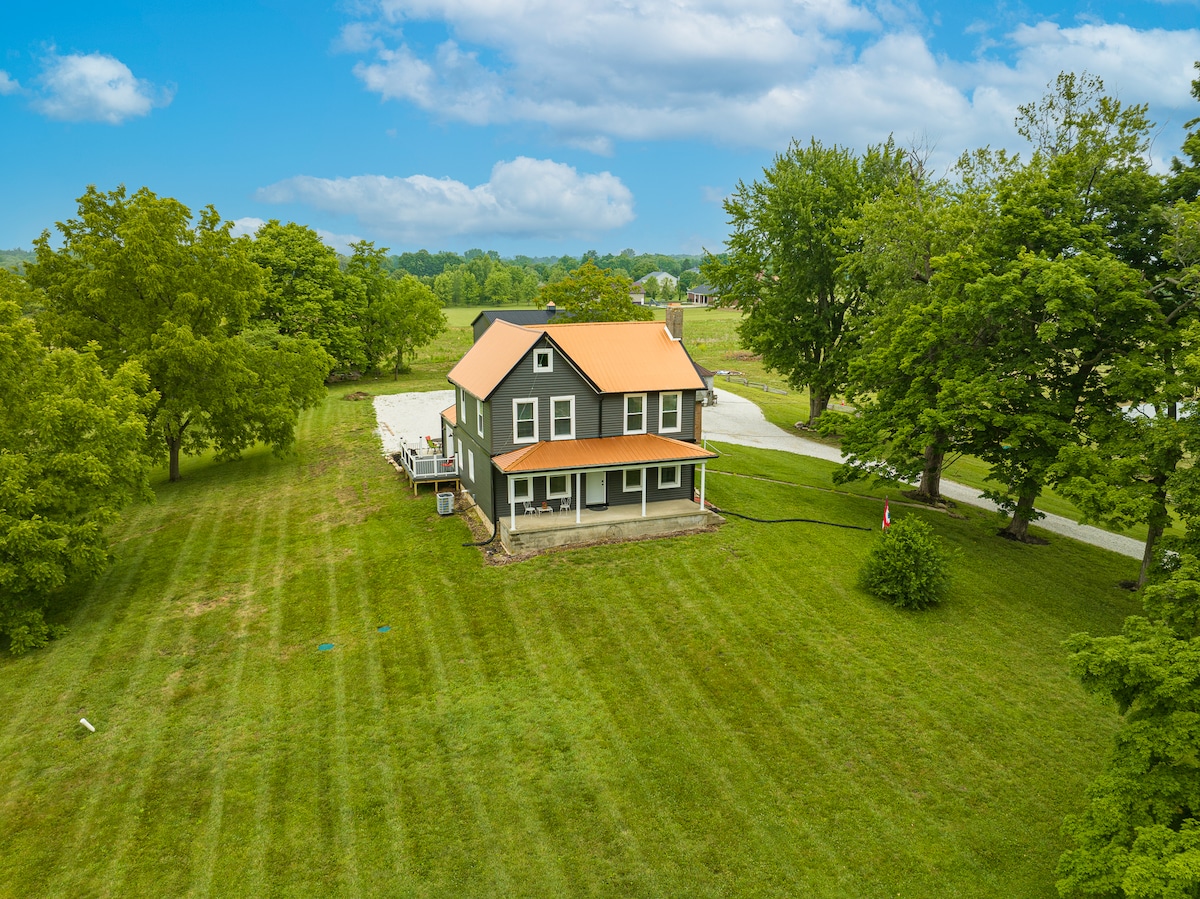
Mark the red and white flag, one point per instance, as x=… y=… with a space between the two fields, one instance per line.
x=887 y=516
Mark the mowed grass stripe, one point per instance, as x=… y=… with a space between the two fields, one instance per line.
x=378 y=733
x=204 y=851
x=609 y=770
x=541 y=874
x=166 y=724
x=111 y=804
x=483 y=839
x=720 y=763
x=251 y=841
x=33 y=725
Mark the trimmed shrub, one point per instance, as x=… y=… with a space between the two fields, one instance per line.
x=907 y=566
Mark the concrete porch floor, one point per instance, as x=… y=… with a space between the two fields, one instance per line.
x=547 y=529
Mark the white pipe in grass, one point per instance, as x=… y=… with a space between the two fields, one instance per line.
x=87 y=724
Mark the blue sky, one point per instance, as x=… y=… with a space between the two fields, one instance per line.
x=529 y=126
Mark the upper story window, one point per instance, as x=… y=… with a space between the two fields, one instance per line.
x=562 y=410
x=479 y=417
x=525 y=421
x=462 y=407
x=635 y=413
x=668 y=412
x=543 y=359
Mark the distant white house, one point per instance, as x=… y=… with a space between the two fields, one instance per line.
x=660 y=277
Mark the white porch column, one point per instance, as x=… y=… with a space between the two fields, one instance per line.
x=643 y=491
x=512 y=508
x=578 y=499
x=702 y=473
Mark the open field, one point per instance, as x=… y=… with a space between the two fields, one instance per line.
x=722 y=714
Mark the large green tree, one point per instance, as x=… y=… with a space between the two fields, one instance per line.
x=786 y=265
x=914 y=345
x=135 y=276
x=72 y=453
x=1139 y=835
x=590 y=294
x=401 y=312
x=308 y=294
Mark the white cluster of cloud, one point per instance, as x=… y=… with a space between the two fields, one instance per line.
x=88 y=87
x=523 y=198
x=756 y=72
x=94 y=87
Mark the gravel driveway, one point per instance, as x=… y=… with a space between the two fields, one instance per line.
x=735 y=419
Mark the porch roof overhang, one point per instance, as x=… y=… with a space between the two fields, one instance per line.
x=450 y=415
x=600 y=452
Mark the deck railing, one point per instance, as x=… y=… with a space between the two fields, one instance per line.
x=427 y=465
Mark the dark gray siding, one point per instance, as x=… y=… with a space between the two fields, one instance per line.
x=614 y=415
x=618 y=497
x=523 y=382
x=481 y=486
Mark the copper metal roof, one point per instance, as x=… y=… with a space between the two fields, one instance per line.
x=492 y=357
x=618 y=357
x=600 y=452
x=626 y=357
x=451 y=415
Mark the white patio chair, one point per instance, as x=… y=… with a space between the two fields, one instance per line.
x=529 y=508
x=564 y=505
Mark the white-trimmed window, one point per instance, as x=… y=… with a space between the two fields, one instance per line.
x=558 y=486
x=479 y=417
x=632 y=480
x=462 y=407
x=562 y=413
x=522 y=490
x=525 y=421
x=543 y=359
x=635 y=413
x=668 y=412
x=668 y=476
x=471 y=466
x=459 y=442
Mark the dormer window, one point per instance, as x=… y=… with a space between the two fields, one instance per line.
x=543 y=359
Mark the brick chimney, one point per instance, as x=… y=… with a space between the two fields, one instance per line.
x=675 y=321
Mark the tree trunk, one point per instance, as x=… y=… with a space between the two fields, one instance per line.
x=173 y=447
x=399 y=363
x=930 y=488
x=1156 y=522
x=1152 y=536
x=818 y=401
x=1018 y=527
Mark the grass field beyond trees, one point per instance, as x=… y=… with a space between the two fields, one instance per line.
x=723 y=714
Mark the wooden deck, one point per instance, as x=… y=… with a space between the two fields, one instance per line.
x=426 y=466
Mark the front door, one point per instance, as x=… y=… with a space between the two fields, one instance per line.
x=597 y=491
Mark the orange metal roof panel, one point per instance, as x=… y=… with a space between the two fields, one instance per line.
x=626 y=357
x=597 y=452
x=451 y=415
x=492 y=357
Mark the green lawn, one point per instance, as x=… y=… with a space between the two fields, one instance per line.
x=717 y=715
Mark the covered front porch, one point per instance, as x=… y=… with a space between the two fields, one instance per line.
x=581 y=491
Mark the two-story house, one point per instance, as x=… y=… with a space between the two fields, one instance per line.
x=597 y=424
